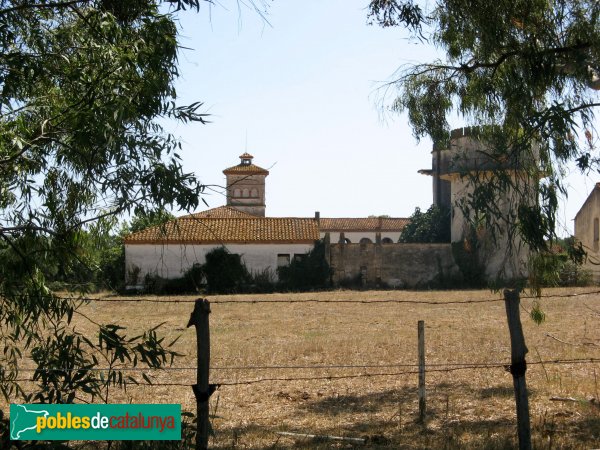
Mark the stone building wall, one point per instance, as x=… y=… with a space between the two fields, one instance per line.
x=392 y=265
x=587 y=231
x=246 y=193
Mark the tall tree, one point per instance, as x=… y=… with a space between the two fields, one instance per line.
x=529 y=69
x=526 y=72
x=430 y=226
x=84 y=86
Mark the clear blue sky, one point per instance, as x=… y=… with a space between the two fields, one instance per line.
x=305 y=90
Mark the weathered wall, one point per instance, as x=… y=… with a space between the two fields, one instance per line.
x=501 y=251
x=503 y=254
x=171 y=261
x=394 y=265
x=587 y=231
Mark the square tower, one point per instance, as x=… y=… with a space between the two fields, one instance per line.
x=246 y=186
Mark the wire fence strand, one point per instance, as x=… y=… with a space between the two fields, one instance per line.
x=483 y=365
x=431 y=368
x=315 y=300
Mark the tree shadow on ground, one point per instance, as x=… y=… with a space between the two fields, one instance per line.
x=388 y=419
x=360 y=403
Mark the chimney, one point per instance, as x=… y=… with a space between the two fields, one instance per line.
x=318 y=218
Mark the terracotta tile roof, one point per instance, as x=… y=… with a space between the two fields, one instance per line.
x=246 y=169
x=364 y=224
x=246 y=155
x=220 y=212
x=194 y=230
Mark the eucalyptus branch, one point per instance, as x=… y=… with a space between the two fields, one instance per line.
x=49 y=5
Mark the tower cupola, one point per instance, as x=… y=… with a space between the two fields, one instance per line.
x=246 y=159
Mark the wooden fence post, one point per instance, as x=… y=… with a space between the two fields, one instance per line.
x=518 y=366
x=202 y=390
x=422 y=402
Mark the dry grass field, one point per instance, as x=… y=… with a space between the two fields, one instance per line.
x=472 y=408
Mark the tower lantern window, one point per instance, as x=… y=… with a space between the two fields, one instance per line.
x=246 y=159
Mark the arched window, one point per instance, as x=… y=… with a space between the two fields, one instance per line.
x=347 y=241
x=245 y=193
x=237 y=193
x=254 y=193
x=366 y=241
x=387 y=241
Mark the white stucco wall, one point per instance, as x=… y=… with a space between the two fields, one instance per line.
x=171 y=261
x=498 y=260
x=356 y=236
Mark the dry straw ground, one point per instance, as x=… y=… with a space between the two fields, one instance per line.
x=466 y=408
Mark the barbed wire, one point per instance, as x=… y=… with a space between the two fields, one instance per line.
x=314 y=300
x=433 y=367
x=280 y=301
x=574 y=294
x=465 y=366
x=305 y=367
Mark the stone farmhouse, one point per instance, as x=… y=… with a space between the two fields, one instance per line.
x=264 y=243
x=364 y=249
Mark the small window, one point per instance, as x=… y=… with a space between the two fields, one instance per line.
x=237 y=193
x=254 y=193
x=387 y=241
x=347 y=241
x=596 y=230
x=283 y=259
x=366 y=241
x=299 y=257
x=245 y=193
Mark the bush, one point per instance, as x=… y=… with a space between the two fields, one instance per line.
x=308 y=273
x=263 y=282
x=466 y=256
x=557 y=269
x=428 y=227
x=225 y=272
x=190 y=283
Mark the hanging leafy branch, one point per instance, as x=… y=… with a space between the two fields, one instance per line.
x=527 y=70
x=85 y=87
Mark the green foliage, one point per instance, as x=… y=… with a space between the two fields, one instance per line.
x=306 y=274
x=263 y=282
x=529 y=69
x=467 y=257
x=147 y=219
x=190 y=283
x=536 y=314
x=225 y=272
x=561 y=267
x=85 y=87
x=430 y=226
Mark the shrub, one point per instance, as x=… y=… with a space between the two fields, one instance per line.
x=466 y=256
x=225 y=272
x=428 y=227
x=557 y=269
x=189 y=283
x=263 y=282
x=305 y=274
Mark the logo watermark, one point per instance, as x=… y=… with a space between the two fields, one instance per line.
x=120 y=422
